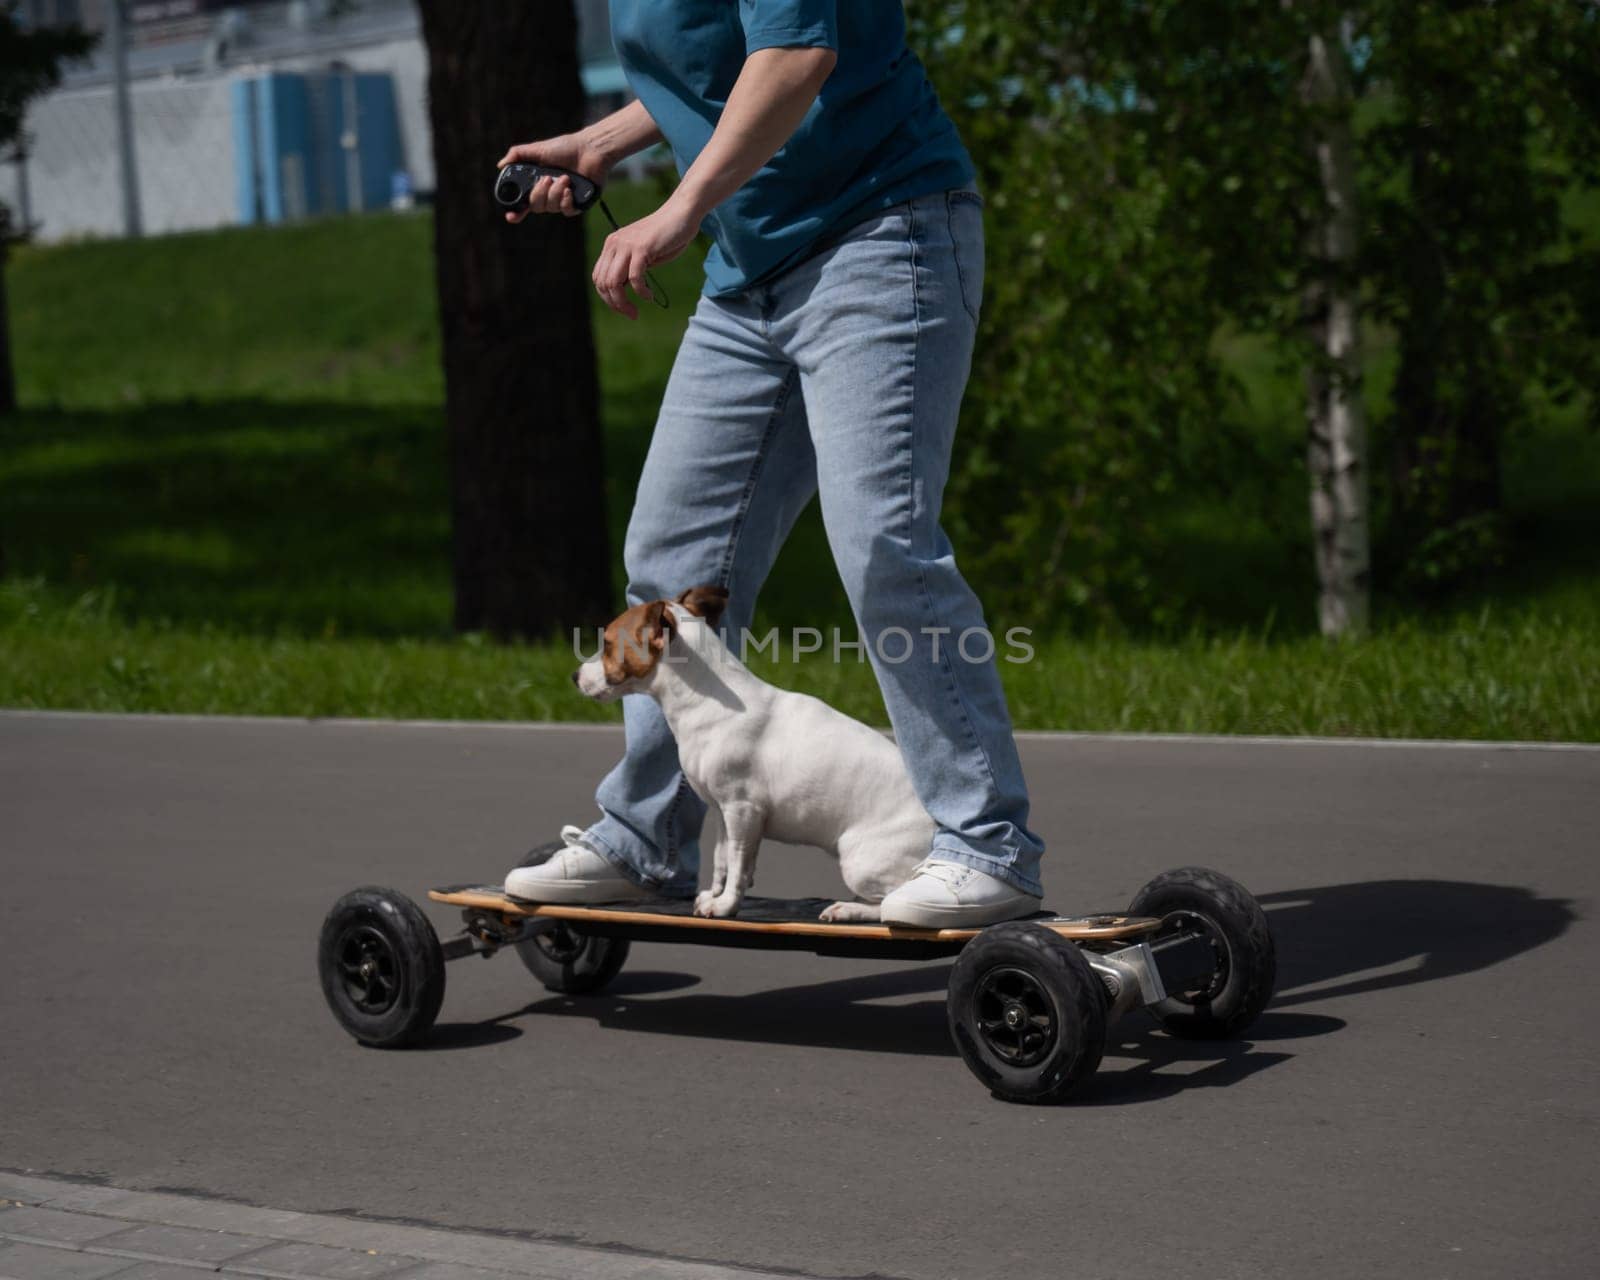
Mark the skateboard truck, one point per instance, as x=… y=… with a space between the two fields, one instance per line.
x=1146 y=972
x=483 y=933
x=1130 y=975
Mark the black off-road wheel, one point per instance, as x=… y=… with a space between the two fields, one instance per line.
x=1027 y=1013
x=1194 y=899
x=571 y=962
x=381 y=967
x=564 y=959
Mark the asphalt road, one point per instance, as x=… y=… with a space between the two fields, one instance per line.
x=1420 y=1100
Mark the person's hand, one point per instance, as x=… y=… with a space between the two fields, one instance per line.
x=633 y=250
x=554 y=195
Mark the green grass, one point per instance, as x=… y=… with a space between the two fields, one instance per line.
x=227 y=492
x=1503 y=675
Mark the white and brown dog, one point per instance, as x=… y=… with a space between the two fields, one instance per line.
x=773 y=763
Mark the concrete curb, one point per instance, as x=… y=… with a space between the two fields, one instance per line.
x=53 y=1229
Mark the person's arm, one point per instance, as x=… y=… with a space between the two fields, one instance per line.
x=592 y=151
x=774 y=91
x=766 y=105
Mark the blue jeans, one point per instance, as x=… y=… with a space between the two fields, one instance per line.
x=841 y=378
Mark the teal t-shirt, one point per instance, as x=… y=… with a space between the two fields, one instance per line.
x=875 y=136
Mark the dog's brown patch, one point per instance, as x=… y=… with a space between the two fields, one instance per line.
x=634 y=641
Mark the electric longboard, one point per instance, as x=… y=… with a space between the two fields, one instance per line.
x=1028 y=1003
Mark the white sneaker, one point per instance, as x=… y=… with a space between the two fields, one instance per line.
x=946 y=895
x=574 y=875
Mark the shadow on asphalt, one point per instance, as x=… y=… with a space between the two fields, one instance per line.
x=1338 y=939
x=837 y=1014
x=470 y=1035
x=1333 y=941
x=649 y=983
x=1162 y=1066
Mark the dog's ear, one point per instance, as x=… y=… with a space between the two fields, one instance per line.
x=659 y=625
x=635 y=640
x=706 y=602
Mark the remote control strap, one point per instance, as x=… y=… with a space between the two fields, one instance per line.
x=657 y=294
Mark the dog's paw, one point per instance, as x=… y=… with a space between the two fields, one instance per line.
x=722 y=905
x=849 y=912
x=704 y=903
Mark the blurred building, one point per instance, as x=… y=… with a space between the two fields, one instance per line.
x=245 y=112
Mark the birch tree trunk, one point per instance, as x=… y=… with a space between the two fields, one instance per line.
x=1335 y=415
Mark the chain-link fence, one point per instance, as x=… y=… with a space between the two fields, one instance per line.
x=193 y=142
x=183 y=137
x=198 y=152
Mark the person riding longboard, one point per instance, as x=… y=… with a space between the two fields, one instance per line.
x=827 y=356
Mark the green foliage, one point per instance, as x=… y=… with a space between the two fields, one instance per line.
x=1151 y=179
x=1487 y=120
x=1131 y=155
x=1066 y=439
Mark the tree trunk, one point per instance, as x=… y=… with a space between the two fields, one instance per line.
x=8 y=381
x=1449 y=400
x=531 y=553
x=1335 y=415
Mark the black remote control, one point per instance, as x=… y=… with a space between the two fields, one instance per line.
x=511 y=188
